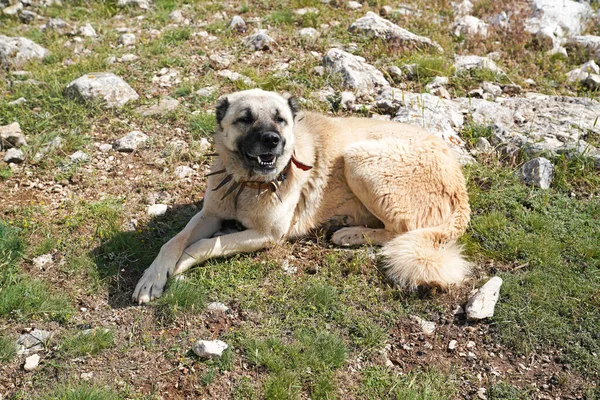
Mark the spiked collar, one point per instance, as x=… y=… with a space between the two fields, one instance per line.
x=273 y=185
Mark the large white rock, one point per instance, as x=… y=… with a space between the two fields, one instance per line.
x=209 y=348
x=15 y=51
x=131 y=141
x=373 y=25
x=483 y=303
x=15 y=156
x=31 y=362
x=467 y=63
x=157 y=210
x=11 y=136
x=259 y=41
x=557 y=19
x=102 y=86
x=469 y=25
x=356 y=73
x=32 y=342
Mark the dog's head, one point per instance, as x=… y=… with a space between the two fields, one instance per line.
x=255 y=133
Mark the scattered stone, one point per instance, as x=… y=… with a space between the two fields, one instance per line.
x=79 y=156
x=157 y=210
x=558 y=19
x=347 y=100
x=87 y=376
x=385 y=11
x=18 y=102
x=469 y=26
x=126 y=58
x=234 y=77
x=56 y=143
x=209 y=348
x=592 y=81
x=183 y=171
x=206 y=91
x=165 y=105
x=306 y=10
x=12 y=10
x=481 y=393
x=437 y=82
x=375 y=26
x=177 y=17
x=40 y=262
x=587 y=43
x=354 y=5
x=590 y=67
x=467 y=63
x=87 y=30
x=483 y=145
x=492 y=89
x=512 y=89
x=16 y=51
x=31 y=362
x=218 y=61
x=452 y=345
x=127 y=39
x=537 y=172
x=458 y=310
x=483 y=302
x=142 y=4
x=166 y=77
x=32 y=342
x=104 y=86
x=216 y=306
x=237 y=23
x=204 y=145
x=28 y=16
x=471 y=344
x=131 y=141
x=427 y=327
x=530 y=82
x=463 y=7
x=259 y=41
x=309 y=33
x=15 y=156
x=395 y=73
x=356 y=73
x=11 y=136
x=105 y=147
x=500 y=21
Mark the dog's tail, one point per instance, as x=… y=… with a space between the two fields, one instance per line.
x=429 y=256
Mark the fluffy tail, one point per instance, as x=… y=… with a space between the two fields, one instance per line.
x=429 y=256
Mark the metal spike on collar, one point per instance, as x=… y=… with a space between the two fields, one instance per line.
x=223 y=182
x=221 y=171
x=233 y=186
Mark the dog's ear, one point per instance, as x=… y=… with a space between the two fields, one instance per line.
x=293 y=103
x=222 y=106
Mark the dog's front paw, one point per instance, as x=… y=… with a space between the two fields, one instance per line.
x=351 y=236
x=151 y=286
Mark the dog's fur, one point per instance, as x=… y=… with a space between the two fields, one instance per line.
x=392 y=184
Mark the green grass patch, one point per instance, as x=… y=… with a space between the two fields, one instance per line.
x=309 y=360
x=506 y=391
x=89 y=342
x=7 y=348
x=81 y=392
x=202 y=125
x=381 y=383
x=183 y=296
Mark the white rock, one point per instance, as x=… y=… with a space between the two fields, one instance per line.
x=471 y=344
x=309 y=33
x=14 y=155
x=576 y=75
x=41 y=261
x=165 y=105
x=537 y=172
x=204 y=145
x=127 y=39
x=105 y=147
x=127 y=58
x=209 y=348
x=87 y=30
x=452 y=345
x=467 y=63
x=131 y=141
x=354 y=5
x=31 y=362
x=18 y=102
x=87 y=376
x=347 y=100
x=157 y=210
x=492 y=89
x=102 y=86
x=463 y=7
x=560 y=18
x=375 y=26
x=11 y=136
x=306 y=10
x=356 y=73
x=589 y=43
x=259 y=41
x=234 y=77
x=143 y=4
x=237 y=23
x=469 y=25
x=79 y=156
x=591 y=67
x=216 y=306
x=483 y=302
x=437 y=82
x=206 y=91
x=177 y=17
x=427 y=327
x=55 y=144
x=592 y=81
x=16 y=51
x=183 y=171
x=32 y=342
x=500 y=20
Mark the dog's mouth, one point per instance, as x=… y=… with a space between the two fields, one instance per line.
x=264 y=161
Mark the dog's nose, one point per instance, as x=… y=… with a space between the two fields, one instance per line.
x=270 y=139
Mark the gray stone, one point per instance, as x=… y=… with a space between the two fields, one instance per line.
x=462 y=7
x=592 y=81
x=127 y=58
x=86 y=376
x=177 y=17
x=183 y=171
x=142 y=4
x=469 y=26
x=216 y=306
x=427 y=327
x=395 y=73
x=102 y=86
x=31 y=362
x=32 y=342
x=127 y=39
x=309 y=33
x=492 y=89
x=259 y=41
x=16 y=51
x=157 y=210
x=15 y=156
x=164 y=105
x=500 y=21
x=559 y=18
x=437 y=82
x=452 y=345
x=375 y=26
x=87 y=30
x=354 y=5
x=11 y=136
x=79 y=156
x=306 y=10
x=576 y=75
x=483 y=145
x=537 y=172
x=206 y=91
x=385 y=11
x=589 y=43
x=131 y=141
x=218 y=61
x=28 y=16
x=356 y=73
x=18 y=102
x=40 y=262
x=13 y=10
x=512 y=89
x=105 y=147
x=467 y=63
x=590 y=67
x=347 y=100
x=209 y=348
x=237 y=23
x=234 y=77
x=483 y=303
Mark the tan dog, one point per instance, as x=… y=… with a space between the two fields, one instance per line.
x=281 y=175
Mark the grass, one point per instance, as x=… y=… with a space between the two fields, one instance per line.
x=80 y=392
x=380 y=383
x=87 y=343
x=7 y=348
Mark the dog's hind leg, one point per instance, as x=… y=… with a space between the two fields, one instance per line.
x=357 y=235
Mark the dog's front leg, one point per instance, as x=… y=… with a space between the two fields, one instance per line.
x=221 y=246
x=153 y=282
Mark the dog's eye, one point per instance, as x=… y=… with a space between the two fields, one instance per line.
x=280 y=120
x=246 y=119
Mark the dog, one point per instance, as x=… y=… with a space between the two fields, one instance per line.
x=282 y=173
